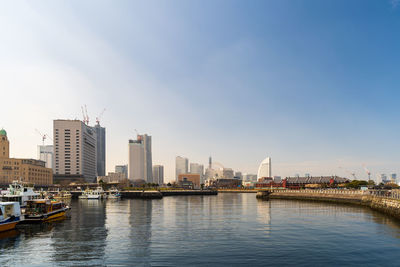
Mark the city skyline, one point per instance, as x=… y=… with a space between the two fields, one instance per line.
x=315 y=95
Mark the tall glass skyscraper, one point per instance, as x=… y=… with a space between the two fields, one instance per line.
x=101 y=150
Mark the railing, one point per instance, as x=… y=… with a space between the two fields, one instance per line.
x=392 y=194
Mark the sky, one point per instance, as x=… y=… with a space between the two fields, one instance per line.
x=313 y=84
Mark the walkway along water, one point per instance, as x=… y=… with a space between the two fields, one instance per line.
x=384 y=201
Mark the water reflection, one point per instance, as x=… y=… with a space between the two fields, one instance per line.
x=224 y=230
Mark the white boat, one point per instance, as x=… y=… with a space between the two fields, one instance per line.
x=114 y=194
x=19 y=193
x=84 y=194
x=96 y=194
x=10 y=215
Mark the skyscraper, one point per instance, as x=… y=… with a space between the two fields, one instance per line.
x=158 y=174
x=148 y=160
x=196 y=168
x=75 y=146
x=45 y=153
x=265 y=168
x=136 y=160
x=101 y=149
x=122 y=169
x=181 y=166
x=140 y=159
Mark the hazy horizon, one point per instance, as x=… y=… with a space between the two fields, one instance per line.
x=311 y=84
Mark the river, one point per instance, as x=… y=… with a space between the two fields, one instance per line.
x=226 y=230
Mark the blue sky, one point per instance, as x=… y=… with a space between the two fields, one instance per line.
x=313 y=84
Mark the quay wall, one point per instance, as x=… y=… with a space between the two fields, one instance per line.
x=387 y=205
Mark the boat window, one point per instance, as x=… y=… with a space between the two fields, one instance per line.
x=1 y=212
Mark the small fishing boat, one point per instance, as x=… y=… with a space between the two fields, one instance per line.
x=42 y=210
x=114 y=195
x=10 y=215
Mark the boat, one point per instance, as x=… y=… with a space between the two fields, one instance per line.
x=63 y=195
x=114 y=195
x=43 y=210
x=96 y=194
x=10 y=215
x=18 y=192
x=84 y=194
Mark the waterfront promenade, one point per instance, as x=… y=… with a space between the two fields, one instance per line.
x=384 y=201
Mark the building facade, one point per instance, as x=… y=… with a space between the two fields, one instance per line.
x=75 y=150
x=45 y=153
x=136 y=160
x=122 y=169
x=264 y=170
x=196 y=168
x=158 y=174
x=112 y=177
x=25 y=170
x=194 y=178
x=181 y=166
x=101 y=149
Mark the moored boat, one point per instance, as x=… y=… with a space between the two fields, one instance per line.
x=10 y=215
x=96 y=194
x=18 y=192
x=42 y=210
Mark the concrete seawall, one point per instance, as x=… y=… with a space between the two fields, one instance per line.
x=385 y=205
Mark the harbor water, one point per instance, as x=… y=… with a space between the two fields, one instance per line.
x=230 y=229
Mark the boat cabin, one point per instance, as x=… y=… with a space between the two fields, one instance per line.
x=43 y=206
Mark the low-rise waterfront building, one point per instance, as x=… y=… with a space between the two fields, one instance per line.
x=195 y=178
x=25 y=170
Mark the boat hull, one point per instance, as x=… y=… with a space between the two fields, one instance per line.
x=8 y=226
x=46 y=217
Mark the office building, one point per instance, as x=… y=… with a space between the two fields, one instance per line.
x=112 y=177
x=181 y=166
x=101 y=149
x=45 y=153
x=24 y=170
x=393 y=178
x=158 y=174
x=250 y=177
x=238 y=175
x=225 y=173
x=122 y=169
x=194 y=178
x=265 y=168
x=140 y=159
x=75 y=145
x=196 y=168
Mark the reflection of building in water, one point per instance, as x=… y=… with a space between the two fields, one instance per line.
x=83 y=236
x=140 y=220
x=264 y=215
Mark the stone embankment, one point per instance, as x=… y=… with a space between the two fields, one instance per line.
x=388 y=202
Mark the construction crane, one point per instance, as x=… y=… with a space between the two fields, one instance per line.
x=349 y=172
x=44 y=136
x=99 y=116
x=367 y=171
x=87 y=116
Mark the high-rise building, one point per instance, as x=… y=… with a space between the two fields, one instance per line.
x=196 y=168
x=158 y=174
x=136 y=160
x=225 y=173
x=75 y=146
x=122 y=169
x=249 y=177
x=265 y=168
x=140 y=159
x=181 y=166
x=101 y=149
x=45 y=153
x=393 y=178
x=24 y=170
